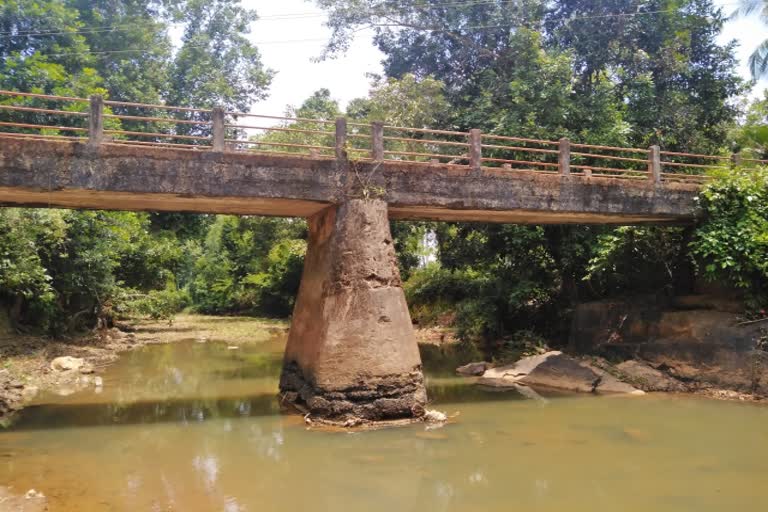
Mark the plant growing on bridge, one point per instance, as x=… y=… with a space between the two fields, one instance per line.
x=731 y=244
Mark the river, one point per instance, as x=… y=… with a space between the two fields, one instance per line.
x=195 y=426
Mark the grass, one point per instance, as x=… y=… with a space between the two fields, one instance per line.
x=234 y=329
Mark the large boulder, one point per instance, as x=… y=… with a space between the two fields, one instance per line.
x=557 y=371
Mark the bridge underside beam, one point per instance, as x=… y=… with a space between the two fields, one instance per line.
x=129 y=201
x=351 y=350
x=518 y=216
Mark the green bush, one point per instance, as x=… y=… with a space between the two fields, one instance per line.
x=731 y=243
x=521 y=344
x=249 y=265
x=156 y=304
x=636 y=259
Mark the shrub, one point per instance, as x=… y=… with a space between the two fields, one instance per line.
x=731 y=243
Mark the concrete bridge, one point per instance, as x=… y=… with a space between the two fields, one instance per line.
x=351 y=350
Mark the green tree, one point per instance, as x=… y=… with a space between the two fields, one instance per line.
x=42 y=49
x=249 y=265
x=130 y=46
x=316 y=114
x=217 y=65
x=27 y=238
x=750 y=137
x=641 y=71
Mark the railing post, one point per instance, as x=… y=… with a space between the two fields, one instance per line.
x=341 y=138
x=654 y=164
x=377 y=141
x=475 y=149
x=736 y=159
x=96 y=121
x=564 y=157
x=219 y=131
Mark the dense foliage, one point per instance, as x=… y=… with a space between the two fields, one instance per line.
x=731 y=245
x=123 y=49
x=616 y=71
x=63 y=270
x=249 y=265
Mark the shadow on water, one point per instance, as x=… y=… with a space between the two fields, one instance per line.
x=185 y=411
x=189 y=382
x=459 y=391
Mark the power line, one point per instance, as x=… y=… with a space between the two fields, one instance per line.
x=127 y=27
x=300 y=15
x=275 y=17
x=297 y=15
x=141 y=50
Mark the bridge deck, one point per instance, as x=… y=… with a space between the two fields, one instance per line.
x=69 y=174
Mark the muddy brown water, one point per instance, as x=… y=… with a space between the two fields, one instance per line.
x=196 y=427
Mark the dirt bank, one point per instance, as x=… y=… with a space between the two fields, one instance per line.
x=25 y=361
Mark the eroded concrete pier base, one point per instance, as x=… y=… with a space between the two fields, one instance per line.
x=351 y=351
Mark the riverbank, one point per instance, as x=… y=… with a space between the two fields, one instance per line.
x=26 y=361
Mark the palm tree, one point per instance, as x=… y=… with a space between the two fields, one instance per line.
x=758 y=61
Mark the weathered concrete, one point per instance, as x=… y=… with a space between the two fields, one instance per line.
x=351 y=351
x=112 y=176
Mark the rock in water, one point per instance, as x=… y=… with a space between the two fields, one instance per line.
x=473 y=369
x=518 y=369
x=67 y=363
x=432 y=416
x=558 y=371
x=562 y=372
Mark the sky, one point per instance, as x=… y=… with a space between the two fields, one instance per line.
x=290 y=33
x=302 y=24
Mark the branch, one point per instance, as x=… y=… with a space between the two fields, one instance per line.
x=750 y=322
x=452 y=34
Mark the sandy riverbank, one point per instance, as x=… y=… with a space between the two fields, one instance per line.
x=25 y=361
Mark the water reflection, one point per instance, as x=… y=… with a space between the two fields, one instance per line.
x=196 y=427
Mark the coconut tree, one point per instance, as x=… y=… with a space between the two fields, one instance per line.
x=758 y=61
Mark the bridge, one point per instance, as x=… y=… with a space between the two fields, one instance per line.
x=351 y=351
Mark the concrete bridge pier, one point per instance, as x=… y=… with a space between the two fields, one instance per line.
x=351 y=351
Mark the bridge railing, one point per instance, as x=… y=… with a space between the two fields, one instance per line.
x=97 y=121
x=43 y=116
